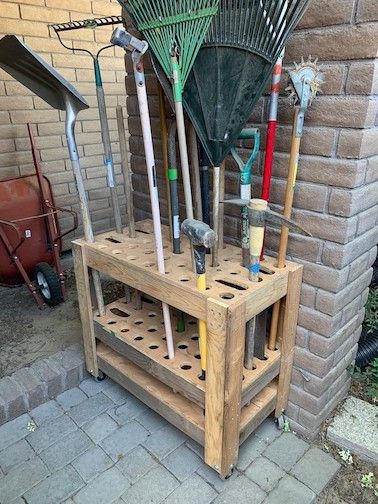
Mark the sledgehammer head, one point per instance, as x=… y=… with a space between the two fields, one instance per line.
x=199 y=233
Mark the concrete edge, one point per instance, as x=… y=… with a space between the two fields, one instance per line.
x=43 y=380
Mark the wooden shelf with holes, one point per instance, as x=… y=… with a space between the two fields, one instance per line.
x=128 y=344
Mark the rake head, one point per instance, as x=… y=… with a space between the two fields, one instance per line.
x=87 y=23
x=173 y=27
x=233 y=66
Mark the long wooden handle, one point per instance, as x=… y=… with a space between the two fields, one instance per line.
x=126 y=170
x=164 y=148
x=202 y=328
x=194 y=161
x=291 y=181
x=216 y=189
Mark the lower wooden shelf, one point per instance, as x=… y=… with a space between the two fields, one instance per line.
x=174 y=407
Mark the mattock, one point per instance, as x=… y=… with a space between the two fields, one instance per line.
x=202 y=237
x=259 y=214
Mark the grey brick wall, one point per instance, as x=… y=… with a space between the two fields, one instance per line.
x=336 y=196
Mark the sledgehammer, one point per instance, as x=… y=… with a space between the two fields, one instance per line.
x=202 y=237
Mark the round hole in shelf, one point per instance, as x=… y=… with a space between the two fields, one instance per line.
x=166 y=357
x=181 y=265
x=111 y=322
x=219 y=269
x=101 y=247
x=164 y=338
x=152 y=314
x=184 y=279
x=208 y=287
x=197 y=356
x=195 y=337
x=243 y=378
x=131 y=258
x=153 y=347
x=138 y=322
x=227 y=295
x=152 y=329
x=200 y=377
x=97 y=314
x=148 y=264
x=182 y=346
x=235 y=273
x=186 y=366
x=125 y=329
x=148 y=252
x=192 y=322
x=226 y=260
x=138 y=338
x=167 y=272
x=116 y=252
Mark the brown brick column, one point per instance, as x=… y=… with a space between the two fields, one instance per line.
x=336 y=197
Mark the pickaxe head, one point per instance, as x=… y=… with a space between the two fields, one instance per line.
x=122 y=38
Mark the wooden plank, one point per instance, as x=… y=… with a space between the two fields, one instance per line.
x=168 y=373
x=289 y=331
x=259 y=409
x=264 y=373
x=151 y=282
x=180 y=412
x=225 y=349
x=83 y=284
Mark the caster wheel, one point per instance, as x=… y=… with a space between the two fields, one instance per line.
x=101 y=377
x=281 y=422
x=47 y=282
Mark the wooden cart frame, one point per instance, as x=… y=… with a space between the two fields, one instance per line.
x=128 y=344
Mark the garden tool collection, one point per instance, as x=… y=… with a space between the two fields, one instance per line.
x=28 y=68
x=92 y=24
x=305 y=84
x=258 y=215
x=231 y=71
x=202 y=238
x=122 y=38
x=175 y=32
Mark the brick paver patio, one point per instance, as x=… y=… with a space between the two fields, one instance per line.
x=98 y=444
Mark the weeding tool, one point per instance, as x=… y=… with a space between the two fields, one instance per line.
x=138 y=48
x=33 y=72
x=259 y=214
x=202 y=238
x=108 y=156
x=305 y=84
x=175 y=31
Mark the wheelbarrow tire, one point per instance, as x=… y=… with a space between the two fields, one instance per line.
x=47 y=282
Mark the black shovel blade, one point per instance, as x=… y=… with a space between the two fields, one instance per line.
x=220 y=94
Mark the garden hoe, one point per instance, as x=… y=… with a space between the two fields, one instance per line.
x=33 y=72
x=305 y=84
x=231 y=71
x=258 y=215
x=202 y=238
x=138 y=48
x=108 y=156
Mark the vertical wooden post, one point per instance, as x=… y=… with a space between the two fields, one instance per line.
x=224 y=374
x=289 y=331
x=83 y=284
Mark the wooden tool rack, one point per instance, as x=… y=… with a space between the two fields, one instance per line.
x=129 y=346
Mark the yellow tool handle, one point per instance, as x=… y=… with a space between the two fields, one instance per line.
x=201 y=285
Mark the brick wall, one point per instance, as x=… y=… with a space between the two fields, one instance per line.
x=28 y=19
x=336 y=197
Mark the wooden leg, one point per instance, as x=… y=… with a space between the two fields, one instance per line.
x=226 y=328
x=289 y=330
x=83 y=283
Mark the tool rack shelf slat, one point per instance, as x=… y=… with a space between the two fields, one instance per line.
x=129 y=344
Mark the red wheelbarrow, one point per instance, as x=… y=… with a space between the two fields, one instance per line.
x=30 y=237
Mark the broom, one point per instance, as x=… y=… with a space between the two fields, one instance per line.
x=175 y=29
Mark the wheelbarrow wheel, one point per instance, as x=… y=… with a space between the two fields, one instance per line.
x=47 y=282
